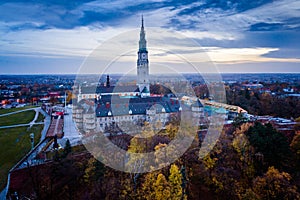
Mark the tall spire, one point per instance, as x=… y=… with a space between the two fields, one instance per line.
x=143 y=64
x=142 y=42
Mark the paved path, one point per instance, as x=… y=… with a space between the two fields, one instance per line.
x=20 y=125
x=15 y=112
x=3 y=193
x=37 y=110
x=47 y=122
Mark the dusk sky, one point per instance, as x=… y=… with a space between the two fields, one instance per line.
x=40 y=36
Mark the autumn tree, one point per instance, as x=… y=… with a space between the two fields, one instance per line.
x=137 y=159
x=275 y=185
x=148 y=188
x=245 y=152
x=175 y=181
x=229 y=165
x=162 y=188
x=89 y=172
x=171 y=130
x=161 y=157
x=297 y=125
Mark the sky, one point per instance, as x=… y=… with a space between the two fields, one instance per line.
x=59 y=36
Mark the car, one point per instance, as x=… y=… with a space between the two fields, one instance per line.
x=21 y=105
x=7 y=106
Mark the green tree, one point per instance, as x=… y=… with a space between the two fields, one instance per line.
x=239 y=120
x=295 y=147
x=68 y=148
x=247 y=94
x=272 y=144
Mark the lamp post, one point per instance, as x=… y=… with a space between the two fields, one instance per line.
x=32 y=140
x=65 y=110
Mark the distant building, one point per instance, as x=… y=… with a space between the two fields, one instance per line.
x=253 y=86
x=285 y=126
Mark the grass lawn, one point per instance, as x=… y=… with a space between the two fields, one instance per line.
x=15 y=143
x=4 y=111
x=18 y=118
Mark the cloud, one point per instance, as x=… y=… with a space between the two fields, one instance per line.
x=77 y=42
x=245 y=55
x=232 y=31
x=38 y=15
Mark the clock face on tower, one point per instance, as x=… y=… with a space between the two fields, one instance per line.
x=144 y=56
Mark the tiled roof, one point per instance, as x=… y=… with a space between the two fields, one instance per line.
x=116 y=106
x=111 y=89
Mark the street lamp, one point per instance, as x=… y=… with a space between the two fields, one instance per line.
x=32 y=140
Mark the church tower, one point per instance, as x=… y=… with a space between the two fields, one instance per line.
x=143 y=65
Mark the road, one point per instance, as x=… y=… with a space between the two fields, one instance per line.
x=70 y=131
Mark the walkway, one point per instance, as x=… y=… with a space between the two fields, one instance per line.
x=47 y=122
x=15 y=112
x=19 y=125
x=37 y=110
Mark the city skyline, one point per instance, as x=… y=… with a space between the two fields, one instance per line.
x=50 y=37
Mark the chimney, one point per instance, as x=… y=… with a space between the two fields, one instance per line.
x=107 y=81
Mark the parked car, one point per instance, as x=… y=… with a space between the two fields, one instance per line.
x=7 y=106
x=21 y=105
